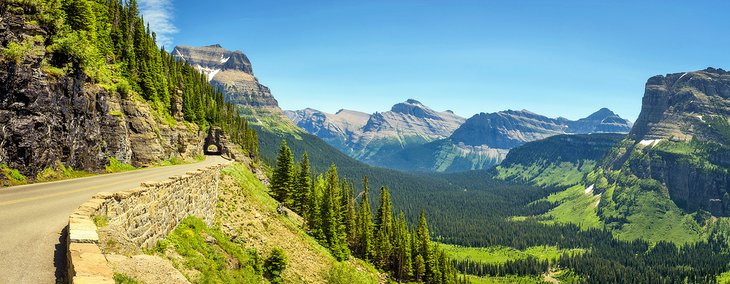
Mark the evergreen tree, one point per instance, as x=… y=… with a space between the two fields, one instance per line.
x=80 y=16
x=314 y=212
x=304 y=184
x=419 y=268
x=281 y=180
x=350 y=218
x=332 y=227
x=365 y=225
x=424 y=247
x=383 y=230
x=402 y=256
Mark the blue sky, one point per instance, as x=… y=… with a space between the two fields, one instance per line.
x=557 y=58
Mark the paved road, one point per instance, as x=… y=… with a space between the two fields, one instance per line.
x=33 y=219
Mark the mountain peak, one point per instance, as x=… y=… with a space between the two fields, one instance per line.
x=412 y=101
x=601 y=114
x=415 y=108
x=215 y=45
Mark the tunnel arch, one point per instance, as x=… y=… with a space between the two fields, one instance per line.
x=212 y=145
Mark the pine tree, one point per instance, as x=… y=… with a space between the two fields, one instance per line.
x=424 y=247
x=303 y=188
x=80 y=16
x=281 y=181
x=402 y=256
x=350 y=217
x=384 y=231
x=314 y=212
x=332 y=227
x=365 y=225
x=419 y=268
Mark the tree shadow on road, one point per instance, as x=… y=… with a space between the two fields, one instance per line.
x=59 y=257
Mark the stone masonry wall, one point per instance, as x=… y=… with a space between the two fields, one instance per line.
x=145 y=215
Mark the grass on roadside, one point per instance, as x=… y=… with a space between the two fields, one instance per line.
x=115 y=166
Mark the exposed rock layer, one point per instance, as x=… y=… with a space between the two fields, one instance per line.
x=68 y=119
x=231 y=71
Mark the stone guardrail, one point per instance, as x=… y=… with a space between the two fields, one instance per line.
x=145 y=214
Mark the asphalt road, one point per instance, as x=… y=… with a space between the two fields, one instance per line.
x=33 y=219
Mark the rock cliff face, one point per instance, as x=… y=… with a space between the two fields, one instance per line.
x=231 y=71
x=45 y=119
x=682 y=139
x=675 y=106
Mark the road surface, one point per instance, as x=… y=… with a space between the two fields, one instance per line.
x=33 y=219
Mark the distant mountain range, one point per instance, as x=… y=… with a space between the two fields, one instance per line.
x=369 y=137
x=414 y=137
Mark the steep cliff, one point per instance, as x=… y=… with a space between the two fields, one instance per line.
x=51 y=117
x=682 y=140
x=231 y=71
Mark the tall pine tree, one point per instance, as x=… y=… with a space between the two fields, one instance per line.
x=303 y=188
x=365 y=225
x=383 y=230
x=281 y=181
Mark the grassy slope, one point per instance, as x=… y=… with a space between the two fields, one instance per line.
x=495 y=255
x=247 y=222
x=575 y=206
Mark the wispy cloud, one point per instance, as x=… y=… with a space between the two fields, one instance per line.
x=159 y=15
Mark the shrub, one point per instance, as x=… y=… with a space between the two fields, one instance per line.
x=101 y=220
x=121 y=278
x=116 y=166
x=59 y=172
x=13 y=176
x=275 y=264
x=15 y=52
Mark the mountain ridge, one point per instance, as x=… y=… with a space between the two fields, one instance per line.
x=479 y=142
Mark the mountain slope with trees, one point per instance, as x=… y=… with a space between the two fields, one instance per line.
x=83 y=82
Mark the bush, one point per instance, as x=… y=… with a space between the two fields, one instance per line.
x=121 y=278
x=275 y=264
x=100 y=220
x=16 y=51
x=13 y=176
x=59 y=172
x=116 y=166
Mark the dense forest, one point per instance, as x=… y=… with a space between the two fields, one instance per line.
x=342 y=221
x=107 y=43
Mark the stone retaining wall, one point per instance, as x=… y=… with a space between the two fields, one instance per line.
x=145 y=214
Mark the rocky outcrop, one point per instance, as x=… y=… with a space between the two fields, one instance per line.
x=231 y=71
x=675 y=105
x=48 y=118
x=682 y=139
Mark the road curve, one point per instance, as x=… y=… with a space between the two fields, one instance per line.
x=33 y=219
